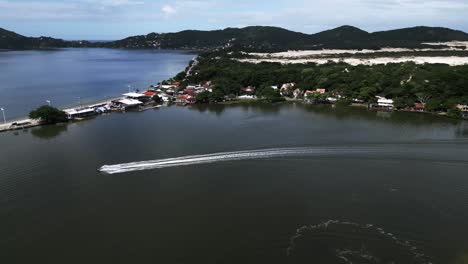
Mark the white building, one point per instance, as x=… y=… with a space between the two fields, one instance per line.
x=384 y=102
x=79 y=113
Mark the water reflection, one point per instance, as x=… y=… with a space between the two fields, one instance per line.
x=347 y=112
x=210 y=108
x=257 y=107
x=48 y=132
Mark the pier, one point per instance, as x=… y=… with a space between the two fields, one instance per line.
x=25 y=122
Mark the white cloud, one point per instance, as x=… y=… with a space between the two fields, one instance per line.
x=120 y=2
x=309 y=16
x=168 y=10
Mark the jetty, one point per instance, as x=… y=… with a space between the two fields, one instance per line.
x=73 y=113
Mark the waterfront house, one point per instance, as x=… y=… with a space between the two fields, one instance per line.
x=384 y=103
x=249 y=90
x=464 y=110
x=125 y=104
x=137 y=96
x=185 y=99
x=420 y=107
x=316 y=91
x=285 y=89
x=165 y=97
x=79 y=112
x=320 y=91
x=297 y=93
x=247 y=97
x=150 y=93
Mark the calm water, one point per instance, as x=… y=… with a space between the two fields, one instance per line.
x=29 y=78
x=407 y=202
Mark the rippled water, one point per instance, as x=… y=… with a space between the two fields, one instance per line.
x=259 y=184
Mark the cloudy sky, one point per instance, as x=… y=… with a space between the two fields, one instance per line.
x=114 y=19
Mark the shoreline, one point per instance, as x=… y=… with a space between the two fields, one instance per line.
x=34 y=123
x=9 y=126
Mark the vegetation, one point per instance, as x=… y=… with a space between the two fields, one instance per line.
x=269 y=94
x=48 y=115
x=439 y=86
x=254 y=38
x=14 y=41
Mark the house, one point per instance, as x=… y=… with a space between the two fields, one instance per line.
x=321 y=91
x=464 y=110
x=249 y=90
x=186 y=99
x=181 y=99
x=247 y=97
x=383 y=102
x=125 y=104
x=284 y=90
x=190 y=92
x=79 y=112
x=297 y=93
x=165 y=97
x=137 y=96
x=419 y=107
x=149 y=93
x=316 y=91
x=309 y=92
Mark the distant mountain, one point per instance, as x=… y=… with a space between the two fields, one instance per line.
x=14 y=41
x=272 y=38
x=255 y=38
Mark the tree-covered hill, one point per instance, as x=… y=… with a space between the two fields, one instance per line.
x=249 y=38
x=13 y=41
x=254 y=38
x=278 y=39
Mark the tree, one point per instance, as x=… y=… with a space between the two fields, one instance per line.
x=434 y=105
x=316 y=98
x=402 y=102
x=270 y=94
x=48 y=115
x=217 y=95
x=454 y=112
x=204 y=97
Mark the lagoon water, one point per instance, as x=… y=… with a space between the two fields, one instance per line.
x=29 y=78
x=406 y=201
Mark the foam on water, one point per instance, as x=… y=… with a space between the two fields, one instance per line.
x=374 y=151
x=349 y=242
x=227 y=156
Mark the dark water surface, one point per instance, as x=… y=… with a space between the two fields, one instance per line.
x=409 y=206
x=29 y=78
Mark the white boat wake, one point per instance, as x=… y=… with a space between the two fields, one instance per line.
x=228 y=156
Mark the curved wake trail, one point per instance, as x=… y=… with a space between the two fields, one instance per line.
x=227 y=156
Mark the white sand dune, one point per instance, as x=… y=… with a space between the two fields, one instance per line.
x=450 y=60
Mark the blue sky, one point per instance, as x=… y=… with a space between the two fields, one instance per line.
x=115 y=19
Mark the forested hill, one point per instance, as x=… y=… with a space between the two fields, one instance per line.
x=278 y=39
x=13 y=41
x=255 y=38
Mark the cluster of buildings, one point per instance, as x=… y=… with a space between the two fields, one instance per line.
x=186 y=96
x=381 y=103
